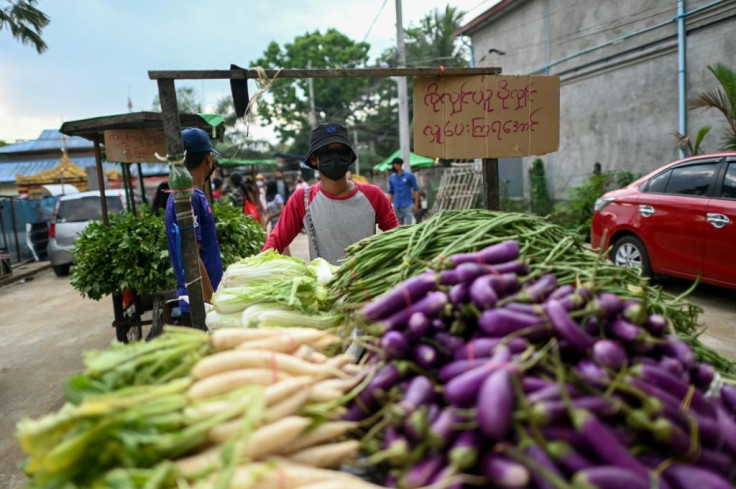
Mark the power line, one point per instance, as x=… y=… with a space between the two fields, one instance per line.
x=374 y=20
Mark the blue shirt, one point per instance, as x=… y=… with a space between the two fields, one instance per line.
x=206 y=234
x=401 y=187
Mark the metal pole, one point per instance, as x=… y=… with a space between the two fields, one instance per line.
x=143 y=187
x=682 y=69
x=404 y=141
x=312 y=109
x=184 y=215
x=15 y=231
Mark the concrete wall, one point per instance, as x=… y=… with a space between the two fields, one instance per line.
x=619 y=103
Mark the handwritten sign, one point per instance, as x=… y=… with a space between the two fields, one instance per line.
x=134 y=145
x=486 y=116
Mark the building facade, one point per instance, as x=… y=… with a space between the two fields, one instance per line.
x=619 y=66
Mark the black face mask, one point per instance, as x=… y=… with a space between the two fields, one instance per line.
x=334 y=164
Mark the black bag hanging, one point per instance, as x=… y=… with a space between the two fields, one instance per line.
x=239 y=89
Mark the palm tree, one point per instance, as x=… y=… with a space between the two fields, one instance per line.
x=25 y=22
x=723 y=99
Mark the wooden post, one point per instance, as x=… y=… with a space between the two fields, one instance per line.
x=101 y=181
x=491 y=192
x=184 y=214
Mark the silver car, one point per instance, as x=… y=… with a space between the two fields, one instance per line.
x=72 y=215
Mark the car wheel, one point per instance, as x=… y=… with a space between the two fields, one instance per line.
x=630 y=252
x=61 y=270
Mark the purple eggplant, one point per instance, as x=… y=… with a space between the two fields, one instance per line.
x=609 y=304
x=467 y=272
x=728 y=395
x=386 y=378
x=525 y=308
x=394 y=345
x=423 y=472
x=625 y=331
x=430 y=305
x=459 y=294
x=463 y=390
x=541 y=459
x=531 y=384
x=482 y=293
x=444 y=427
x=592 y=373
x=419 y=392
x=656 y=324
x=495 y=405
x=635 y=312
x=402 y=296
x=447 y=478
x=551 y=392
x=669 y=364
x=680 y=351
x=539 y=290
x=448 y=343
x=562 y=291
x=425 y=356
x=418 y=326
x=566 y=456
x=676 y=387
x=550 y=412
x=727 y=427
x=609 y=477
x=417 y=423
x=463 y=453
x=605 y=444
x=449 y=277
x=484 y=347
x=497 y=253
x=504 y=473
x=609 y=354
x=451 y=370
x=438 y=325
x=502 y=322
x=566 y=328
x=702 y=376
x=565 y=434
x=689 y=477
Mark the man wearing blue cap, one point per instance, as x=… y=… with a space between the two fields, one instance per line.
x=201 y=164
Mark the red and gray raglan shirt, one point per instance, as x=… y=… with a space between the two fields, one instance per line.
x=338 y=221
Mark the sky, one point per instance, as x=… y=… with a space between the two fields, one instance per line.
x=100 y=51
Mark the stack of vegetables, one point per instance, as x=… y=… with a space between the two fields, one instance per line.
x=255 y=408
x=271 y=290
x=489 y=374
x=379 y=263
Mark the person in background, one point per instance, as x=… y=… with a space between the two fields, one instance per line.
x=160 y=198
x=336 y=212
x=237 y=192
x=279 y=184
x=275 y=206
x=403 y=192
x=252 y=204
x=200 y=163
x=423 y=206
x=300 y=183
x=217 y=189
x=261 y=187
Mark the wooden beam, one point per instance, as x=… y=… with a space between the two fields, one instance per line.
x=491 y=194
x=315 y=73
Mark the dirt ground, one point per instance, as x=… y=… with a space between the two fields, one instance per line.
x=46 y=326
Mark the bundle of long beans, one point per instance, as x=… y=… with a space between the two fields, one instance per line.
x=376 y=264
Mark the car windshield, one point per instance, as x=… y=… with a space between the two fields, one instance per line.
x=86 y=209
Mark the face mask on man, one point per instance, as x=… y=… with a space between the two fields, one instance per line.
x=334 y=164
x=259 y=183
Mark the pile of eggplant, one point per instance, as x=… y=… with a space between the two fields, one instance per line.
x=487 y=375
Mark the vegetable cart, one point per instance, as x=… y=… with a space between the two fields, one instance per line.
x=134 y=138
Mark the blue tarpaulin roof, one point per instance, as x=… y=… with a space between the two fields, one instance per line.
x=49 y=140
x=9 y=168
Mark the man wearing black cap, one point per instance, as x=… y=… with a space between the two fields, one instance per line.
x=200 y=163
x=403 y=192
x=336 y=212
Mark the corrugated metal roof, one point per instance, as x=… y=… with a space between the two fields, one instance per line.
x=49 y=140
x=9 y=168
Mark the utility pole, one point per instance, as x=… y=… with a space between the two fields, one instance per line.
x=404 y=142
x=312 y=110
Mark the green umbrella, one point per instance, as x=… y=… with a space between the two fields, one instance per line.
x=415 y=161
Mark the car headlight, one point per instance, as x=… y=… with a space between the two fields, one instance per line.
x=601 y=203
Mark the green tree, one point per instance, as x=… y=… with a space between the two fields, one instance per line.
x=25 y=21
x=334 y=98
x=187 y=101
x=541 y=203
x=433 y=42
x=723 y=99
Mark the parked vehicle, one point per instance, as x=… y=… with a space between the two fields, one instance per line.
x=72 y=214
x=678 y=220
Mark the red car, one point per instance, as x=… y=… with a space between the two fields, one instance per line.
x=679 y=220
